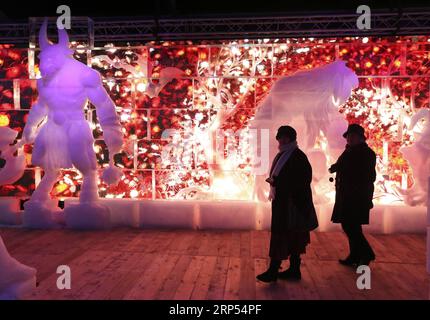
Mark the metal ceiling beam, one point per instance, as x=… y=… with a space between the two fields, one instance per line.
x=313 y=25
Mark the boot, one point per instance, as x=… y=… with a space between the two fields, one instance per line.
x=270 y=274
x=293 y=272
x=349 y=261
x=366 y=261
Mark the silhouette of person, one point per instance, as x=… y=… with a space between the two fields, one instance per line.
x=355 y=174
x=293 y=212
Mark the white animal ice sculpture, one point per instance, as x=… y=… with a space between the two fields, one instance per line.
x=62 y=136
x=418 y=157
x=308 y=101
x=16 y=279
x=14 y=165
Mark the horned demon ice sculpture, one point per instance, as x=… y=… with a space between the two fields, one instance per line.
x=62 y=136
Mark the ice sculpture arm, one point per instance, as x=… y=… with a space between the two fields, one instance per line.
x=38 y=112
x=423 y=113
x=106 y=113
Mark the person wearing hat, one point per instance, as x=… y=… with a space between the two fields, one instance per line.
x=355 y=175
x=293 y=212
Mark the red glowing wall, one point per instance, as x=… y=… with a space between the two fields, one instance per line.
x=204 y=78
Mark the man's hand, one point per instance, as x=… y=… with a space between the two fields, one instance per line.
x=333 y=168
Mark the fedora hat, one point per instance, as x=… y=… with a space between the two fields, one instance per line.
x=355 y=128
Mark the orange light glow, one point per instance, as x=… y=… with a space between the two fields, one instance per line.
x=4 y=120
x=61 y=188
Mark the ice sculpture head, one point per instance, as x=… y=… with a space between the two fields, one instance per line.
x=344 y=81
x=52 y=56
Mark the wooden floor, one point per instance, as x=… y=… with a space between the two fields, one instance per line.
x=154 y=264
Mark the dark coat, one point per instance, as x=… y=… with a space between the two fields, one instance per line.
x=293 y=212
x=293 y=189
x=355 y=174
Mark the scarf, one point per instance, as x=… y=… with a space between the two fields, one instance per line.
x=278 y=163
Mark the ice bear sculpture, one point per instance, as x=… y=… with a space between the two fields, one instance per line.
x=308 y=101
x=418 y=158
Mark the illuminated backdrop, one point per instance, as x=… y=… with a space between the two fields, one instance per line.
x=190 y=86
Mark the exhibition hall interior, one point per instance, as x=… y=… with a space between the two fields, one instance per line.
x=184 y=150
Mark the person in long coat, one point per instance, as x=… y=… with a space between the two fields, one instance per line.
x=355 y=175
x=293 y=212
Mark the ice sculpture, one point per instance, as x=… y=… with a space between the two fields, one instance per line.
x=308 y=101
x=418 y=157
x=16 y=279
x=14 y=165
x=62 y=136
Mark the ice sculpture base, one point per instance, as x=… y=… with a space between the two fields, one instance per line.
x=227 y=215
x=428 y=249
x=10 y=213
x=87 y=216
x=42 y=215
x=16 y=280
x=245 y=215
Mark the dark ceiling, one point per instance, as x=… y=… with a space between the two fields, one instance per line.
x=9 y=11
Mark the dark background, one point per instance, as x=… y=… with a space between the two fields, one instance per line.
x=16 y=10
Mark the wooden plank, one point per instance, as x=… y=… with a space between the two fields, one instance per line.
x=309 y=287
x=163 y=264
x=346 y=279
x=202 y=283
x=218 y=281
x=205 y=244
x=236 y=243
x=386 y=274
x=262 y=290
x=148 y=285
x=232 y=284
x=329 y=281
x=339 y=242
x=260 y=241
x=414 y=283
x=22 y=240
x=322 y=286
x=319 y=246
x=247 y=279
x=382 y=248
x=161 y=242
x=173 y=280
x=9 y=234
x=326 y=238
x=185 y=288
x=245 y=244
x=143 y=242
x=137 y=264
x=405 y=251
x=224 y=244
x=180 y=245
x=84 y=272
x=101 y=286
x=196 y=242
x=310 y=250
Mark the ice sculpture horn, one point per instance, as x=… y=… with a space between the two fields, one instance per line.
x=43 y=35
x=63 y=38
